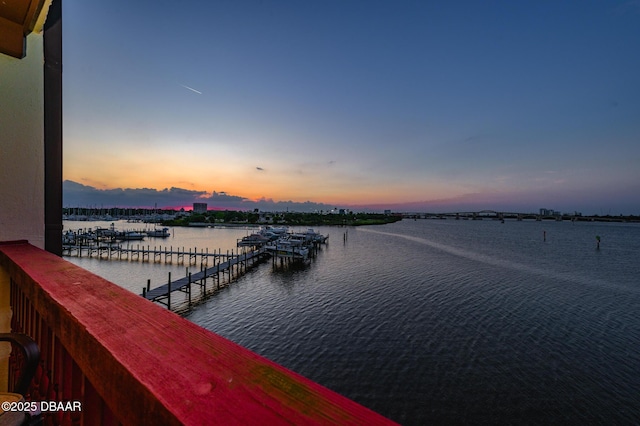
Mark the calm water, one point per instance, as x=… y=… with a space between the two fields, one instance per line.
x=434 y=321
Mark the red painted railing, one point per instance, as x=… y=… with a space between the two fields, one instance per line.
x=128 y=361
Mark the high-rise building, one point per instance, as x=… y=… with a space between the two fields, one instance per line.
x=199 y=207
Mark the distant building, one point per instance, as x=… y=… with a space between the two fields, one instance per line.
x=549 y=212
x=265 y=217
x=199 y=207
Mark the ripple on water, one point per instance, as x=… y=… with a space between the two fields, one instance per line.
x=455 y=321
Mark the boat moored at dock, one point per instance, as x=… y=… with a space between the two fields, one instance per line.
x=130 y=236
x=255 y=239
x=158 y=233
x=288 y=249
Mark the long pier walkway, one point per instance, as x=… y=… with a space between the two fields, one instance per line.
x=233 y=265
x=146 y=253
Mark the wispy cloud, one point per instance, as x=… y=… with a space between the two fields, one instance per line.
x=192 y=89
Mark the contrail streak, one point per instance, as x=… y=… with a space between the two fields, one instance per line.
x=192 y=89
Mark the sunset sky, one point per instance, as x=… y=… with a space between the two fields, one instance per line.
x=406 y=105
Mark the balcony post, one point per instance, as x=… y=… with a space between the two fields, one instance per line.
x=53 y=129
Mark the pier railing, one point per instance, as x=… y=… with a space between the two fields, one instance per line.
x=128 y=361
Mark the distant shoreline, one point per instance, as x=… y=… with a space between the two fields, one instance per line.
x=348 y=218
x=240 y=219
x=295 y=219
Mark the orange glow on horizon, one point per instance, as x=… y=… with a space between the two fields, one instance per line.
x=248 y=190
x=337 y=184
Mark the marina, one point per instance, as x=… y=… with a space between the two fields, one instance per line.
x=283 y=246
x=107 y=243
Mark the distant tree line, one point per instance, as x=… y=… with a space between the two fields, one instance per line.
x=286 y=218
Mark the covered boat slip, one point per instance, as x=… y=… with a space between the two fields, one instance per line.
x=297 y=246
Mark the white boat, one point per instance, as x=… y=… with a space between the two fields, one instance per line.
x=107 y=234
x=159 y=233
x=287 y=248
x=310 y=236
x=315 y=236
x=256 y=239
x=130 y=236
x=69 y=238
x=278 y=230
x=269 y=235
x=296 y=239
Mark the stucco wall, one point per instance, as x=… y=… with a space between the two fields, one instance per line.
x=22 y=145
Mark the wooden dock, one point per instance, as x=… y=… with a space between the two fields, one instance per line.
x=293 y=250
x=147 y=253
x=233 y=266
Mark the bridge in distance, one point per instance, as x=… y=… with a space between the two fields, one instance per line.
x=501 y=215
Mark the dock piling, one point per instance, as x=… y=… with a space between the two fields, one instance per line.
x=169 y=292
x=189 y=290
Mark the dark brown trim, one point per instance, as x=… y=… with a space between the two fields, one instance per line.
x=53 y=129
x=12 y=40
